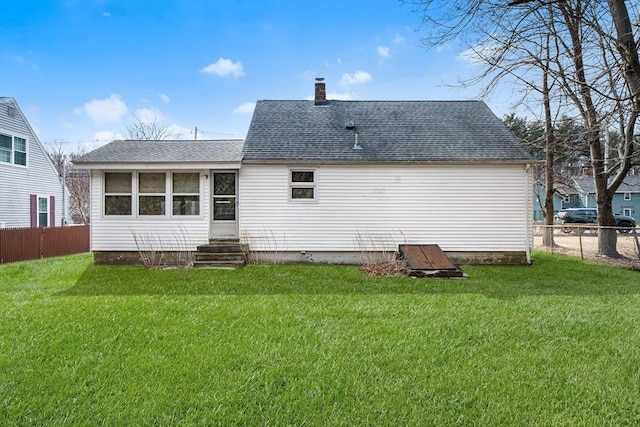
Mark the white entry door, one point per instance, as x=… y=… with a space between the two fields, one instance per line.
x=224 y=198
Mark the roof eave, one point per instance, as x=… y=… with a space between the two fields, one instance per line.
x=422 y=162
x=158 y=165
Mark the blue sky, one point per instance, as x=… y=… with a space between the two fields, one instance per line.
x=82 y=69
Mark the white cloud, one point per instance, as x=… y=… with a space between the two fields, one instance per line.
x=224 y=67
x=246 y=108
x=105 y=136
x=442 y=47
x=149 y=115
x=339 y=96
x=179 y=132
x=106 y=110
x=358 y=77
x=398 y=39
x=384 y=52
x=481 y=53
x=165 y=98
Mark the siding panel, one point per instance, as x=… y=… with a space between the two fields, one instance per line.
x=461 y=208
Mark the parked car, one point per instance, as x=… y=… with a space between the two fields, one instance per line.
x=590 y=216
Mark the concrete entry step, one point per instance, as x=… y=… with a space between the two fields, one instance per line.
x=428 y=261
x=220 y=253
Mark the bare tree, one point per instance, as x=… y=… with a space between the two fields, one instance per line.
x=76 y=181
x=147 y=128
x=582 y=69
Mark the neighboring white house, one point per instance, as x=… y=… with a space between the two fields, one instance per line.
x=325 y=181
x=31 y=191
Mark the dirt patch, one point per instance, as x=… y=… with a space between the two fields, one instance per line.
x=586 y=246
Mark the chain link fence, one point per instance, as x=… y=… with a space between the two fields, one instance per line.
x=581 y=240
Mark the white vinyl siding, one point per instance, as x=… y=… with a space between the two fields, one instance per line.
x=460 y=208
x=175 y=233
x=20 y=182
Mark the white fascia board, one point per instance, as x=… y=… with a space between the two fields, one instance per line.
x=157 y=166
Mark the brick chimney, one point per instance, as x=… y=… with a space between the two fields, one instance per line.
x=321 y=92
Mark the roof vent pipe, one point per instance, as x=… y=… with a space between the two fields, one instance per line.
x=356 y=145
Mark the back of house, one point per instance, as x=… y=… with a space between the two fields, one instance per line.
x=332 y=180
x=323 y=181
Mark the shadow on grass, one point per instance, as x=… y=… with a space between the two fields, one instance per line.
x=549 y=275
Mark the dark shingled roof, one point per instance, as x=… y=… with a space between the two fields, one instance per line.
x=388 y=131
x=182 y=151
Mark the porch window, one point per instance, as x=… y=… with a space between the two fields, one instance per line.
x=117 y=193
x=302 y=185
x=627 y=196
x=186 y=193
x=152 y=189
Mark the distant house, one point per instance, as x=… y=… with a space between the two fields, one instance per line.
x=31 y=192
x=564 y=197
x=626 y=200
x=324 y=181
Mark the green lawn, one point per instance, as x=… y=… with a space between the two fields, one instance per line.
x=556 y=343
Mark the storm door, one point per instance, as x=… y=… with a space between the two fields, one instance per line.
x=224 y=223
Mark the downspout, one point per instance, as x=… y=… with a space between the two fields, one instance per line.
x=528 y=198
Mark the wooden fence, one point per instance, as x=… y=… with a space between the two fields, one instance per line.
x=21 y=244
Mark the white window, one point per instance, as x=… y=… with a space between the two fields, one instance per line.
x=117 y=193
x=626 y=211
x=627 y=196
x=149 y=194
x=43 y=211
x=152 y=188
x=186 y=193
x=302 y=184
x=13 y=149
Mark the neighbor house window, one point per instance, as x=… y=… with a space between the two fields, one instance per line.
x=302 y=185
x=627 y=196
x=152 y=189
x=117 y=193
x=13 y=149
x=186 y=193
x=43 y=211
x=626 y=211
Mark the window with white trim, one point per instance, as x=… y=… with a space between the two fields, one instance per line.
x=627 y=196
x=148 y=194
x=117 y=193
x=186 y=193
x=13 y=149
x=302 y=184
x=626 y=211
x=152 y=188
x=43 y=211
